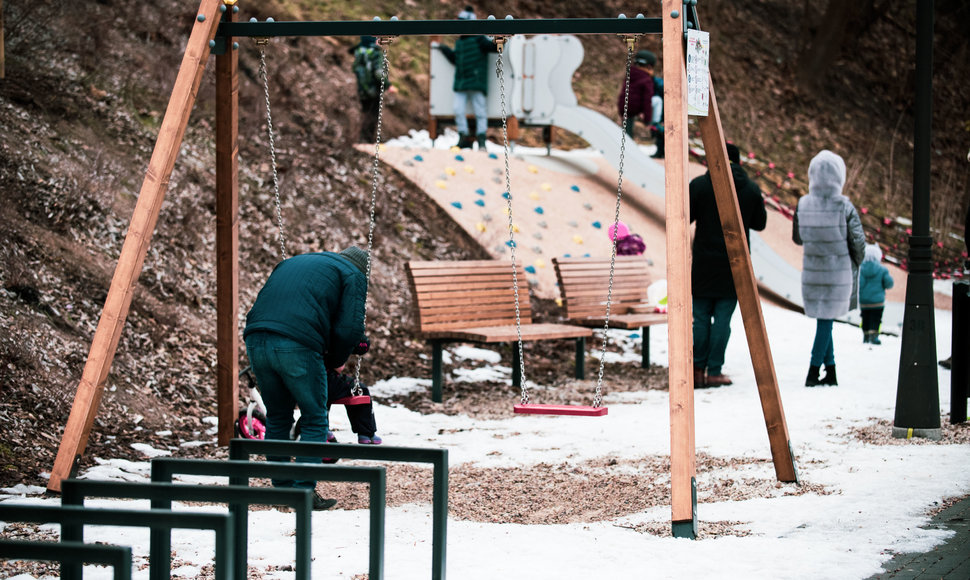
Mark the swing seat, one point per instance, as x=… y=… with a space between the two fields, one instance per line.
x=352 y=400
x=574 y=410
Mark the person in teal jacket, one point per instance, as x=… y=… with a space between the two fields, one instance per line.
x=874 y=280
x=308 y=317
x=470 y=57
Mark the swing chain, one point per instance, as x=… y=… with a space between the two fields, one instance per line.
x=598 y=397
x=500 y=73
x=261 y=42
x=383 y=42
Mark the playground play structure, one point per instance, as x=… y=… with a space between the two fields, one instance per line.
x=539 y=80
x=216 y=32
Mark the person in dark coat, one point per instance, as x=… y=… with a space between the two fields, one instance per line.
x=828 y=226
x=307 y=318
x=714 y=298
x=639 y=101
x=470 y=57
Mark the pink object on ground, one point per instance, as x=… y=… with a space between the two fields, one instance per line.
x=618 y=230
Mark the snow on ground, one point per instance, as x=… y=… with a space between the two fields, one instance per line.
x=880 y=494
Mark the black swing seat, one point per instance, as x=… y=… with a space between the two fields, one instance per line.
x=573 y=410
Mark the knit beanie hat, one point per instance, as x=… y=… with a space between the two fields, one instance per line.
x=357 y=257
x=467 y=14
x=646 y=58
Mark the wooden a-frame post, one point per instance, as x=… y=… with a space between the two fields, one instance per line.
x=680 y=316
x=130 y=262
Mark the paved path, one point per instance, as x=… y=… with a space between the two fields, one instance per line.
x=949 y=561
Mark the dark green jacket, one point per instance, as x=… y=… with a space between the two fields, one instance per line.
x=470 y=58
x=315 y=299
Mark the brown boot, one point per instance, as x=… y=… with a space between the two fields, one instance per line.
x=718 y=380
x=700 y=379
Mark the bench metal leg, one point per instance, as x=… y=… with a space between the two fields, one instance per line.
x=581 y=357
x=436 y=372
x=645 y=347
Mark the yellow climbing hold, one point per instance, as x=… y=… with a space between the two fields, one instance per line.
x=441 y=184
x=546 y=187
x=515 y=228
x=533 y=195
x=578 y=239
x=450 y=170
x=559 y=302
x=533 y=169
x=540 y=263
x=480 y=226
x=469 y=169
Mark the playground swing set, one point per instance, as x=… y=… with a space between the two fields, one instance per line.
x=213 y=32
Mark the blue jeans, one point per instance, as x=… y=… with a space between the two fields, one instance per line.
x=712 y=329
x=479 y=108
x=290 y=375
x=823 y=350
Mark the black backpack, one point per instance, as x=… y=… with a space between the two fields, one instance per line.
x=368 y=67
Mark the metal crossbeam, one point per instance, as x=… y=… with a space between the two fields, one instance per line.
x=496 y=27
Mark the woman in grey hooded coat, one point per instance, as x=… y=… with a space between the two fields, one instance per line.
x=829 y=228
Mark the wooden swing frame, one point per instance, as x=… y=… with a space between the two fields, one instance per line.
x=213 y=31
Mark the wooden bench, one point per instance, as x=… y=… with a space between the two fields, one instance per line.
x=584 y=284
x=473 y=301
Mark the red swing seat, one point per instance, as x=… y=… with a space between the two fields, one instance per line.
x=573 y=410
x=352 y=400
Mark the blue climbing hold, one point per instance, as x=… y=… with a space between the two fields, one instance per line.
x=492 y=156
x=505 y=195
x=530 y=269
x=634 y=335
x=459 y=158
x=418 y=158
x=597 y=225
x=510 y=243
x=456 y=204
x=585 y=255
x=480 y=202
x=574 y=188
x=539 y=210
x=480 y=191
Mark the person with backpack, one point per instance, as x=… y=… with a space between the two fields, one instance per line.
x=470 y=57
x=368 y=68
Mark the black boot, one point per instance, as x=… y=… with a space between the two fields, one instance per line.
x=480 y=138
x=874 y=337
x=465 y=141
x=829 y=378
x=812 y=379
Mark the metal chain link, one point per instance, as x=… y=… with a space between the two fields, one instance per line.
x=500 y=73
x=598 y=397
x=375 y=176
x=272 y=144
